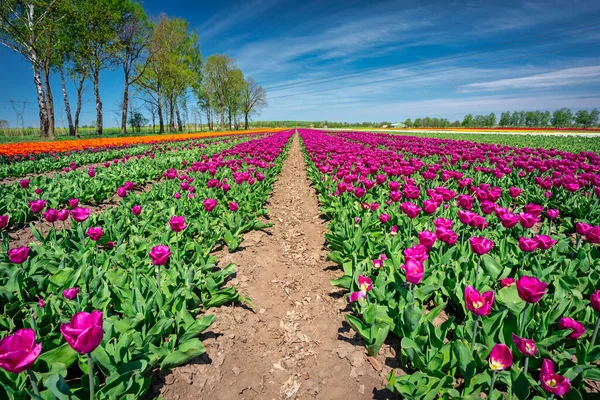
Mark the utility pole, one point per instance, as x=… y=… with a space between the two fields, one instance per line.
x=19 y=108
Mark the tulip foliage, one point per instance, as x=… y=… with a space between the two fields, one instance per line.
x=92 y=309
x=482 y=259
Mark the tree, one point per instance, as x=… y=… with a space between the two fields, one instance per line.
x=408 y=122
x=545 y=119
x=137 y=120
x=505 y=119
x=30 y=28
x=132 y=40
x=562 y=118
x=254 y=99
x=216 y=75
x=468 y=120
x=417 y=123
x=582 y=117
x=594 y=114
x=236 y=85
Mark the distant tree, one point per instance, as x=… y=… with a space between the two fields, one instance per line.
x=418 y=123
x=408 y=122
x=456 y=123
x=562 y=118
x=505 y=119
x=254 y=99
x=467 y=120
x=137 y=120
x=582 y=118
x=491 y=120
x=545 y=119
x=594 y=115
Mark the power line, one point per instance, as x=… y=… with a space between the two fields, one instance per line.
x=368 y=71
x=436 y=71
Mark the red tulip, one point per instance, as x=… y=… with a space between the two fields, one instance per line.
x=531 y=289
x=551 y=382
x=478 y=304
x=526 y=347
x=19 y=351
x=576 y=327
x=500 y=358
x=84 y=332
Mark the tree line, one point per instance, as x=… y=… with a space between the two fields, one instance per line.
x=160 y=59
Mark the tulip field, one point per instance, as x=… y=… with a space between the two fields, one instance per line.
x=481 y=260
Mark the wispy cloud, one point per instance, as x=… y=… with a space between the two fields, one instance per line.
x=562 y=77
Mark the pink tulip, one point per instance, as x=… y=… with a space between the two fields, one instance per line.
x=500 y=358
x=121 y=192
x=582 y=228
x=95 y=233
x=365 y=284
x=528 y=220
x=177 y=223
x=531 y=289
x=209 y=204
x=545 y=242
x=447 y=236
x=128 y=185
x=50 y=215
x=71 y=294
x=551 y=382
x=38 y=191
x=233 y=206
x=595 y=300
x=384 y=218
x=528 y=245
x=91 y=172
x=414 y=271
x=481 y=245
x=80 y=214
x=514 y=192
x=507 y=282
x=73 y=203
x=552 y=214
x=443 y=223
x=160 y=254
x=63 y=215
x=24 y=183
x=479 y=304
x=136 y=210
x=394 y=230
x=19 y=351
x=527 y=347
x=427 y=238
x=37 y=206
x=3 y=221
x=41 y=303
x=576 y=327
x=177 y=195
x=18 y=255
x=417 y=253
x=430 y=206
x=410 y=209
x=84 y=332
x=593 y=235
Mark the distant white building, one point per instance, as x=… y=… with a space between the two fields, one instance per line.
x=398 y=125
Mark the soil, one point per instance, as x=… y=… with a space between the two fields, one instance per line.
x=293 y=343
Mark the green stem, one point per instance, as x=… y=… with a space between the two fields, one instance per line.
x=91 y=375
x=492 y=384
x=523 y=318
x=474 y=333
x=477 y=270
x=595 y=334
x=157 y=276
x=33 y=383
x=526 y=365
x=412 y=291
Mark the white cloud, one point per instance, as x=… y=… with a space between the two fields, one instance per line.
x=562 y=77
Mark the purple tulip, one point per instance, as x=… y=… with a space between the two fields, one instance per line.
x=18 y=255
x=80 y=214
x=210 y=204
x=160 y=254
x=3 y=221
x=478 y=304
x=19 y=351
x=526 y=347
x=95 y=233
x=50 y=215
x=73 y=203
x=551 y=382
x=84 y=332
x=136 y=210
x=233 y=206
x=37 y=206
x=531 y=289
x=177 y=223
x=71 y=294
x=24 y=183
x=500 y=358
x=481 y=245
x=577 y=328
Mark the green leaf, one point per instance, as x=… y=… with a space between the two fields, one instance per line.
x=491 y=266
x=58 y=386
x=185 y=352
x=464 y=358
x=343 y=282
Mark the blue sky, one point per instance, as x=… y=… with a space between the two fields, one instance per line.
x=289 y=42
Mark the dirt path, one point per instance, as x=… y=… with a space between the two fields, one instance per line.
x=294 y=343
